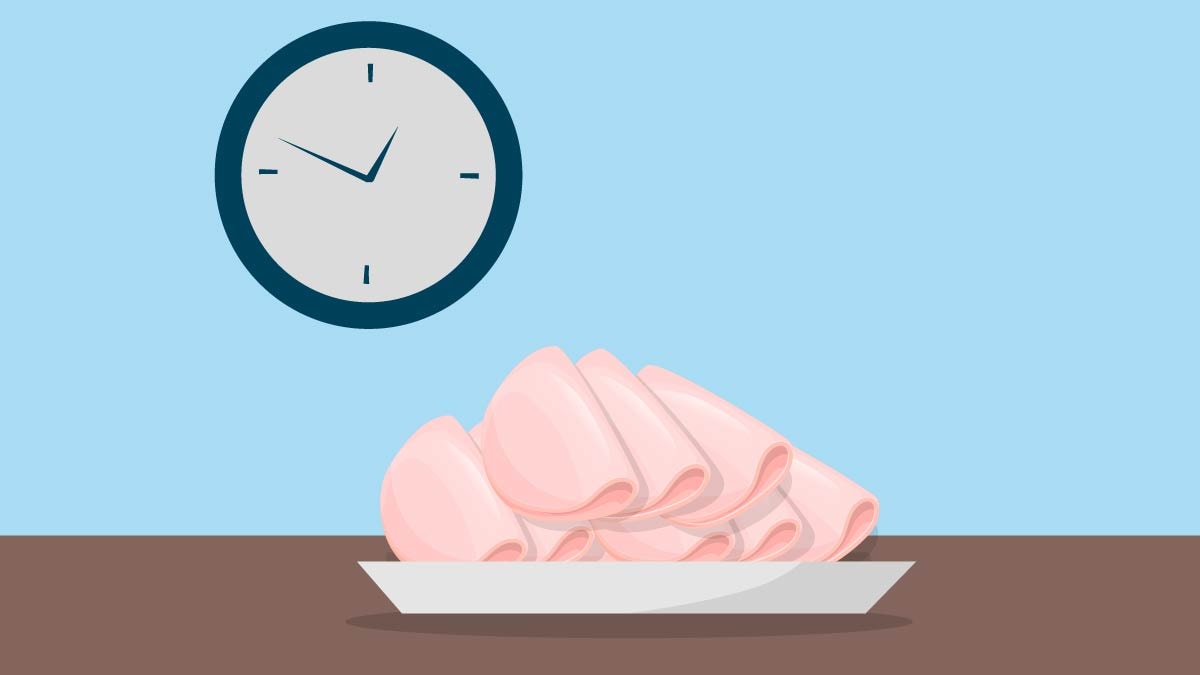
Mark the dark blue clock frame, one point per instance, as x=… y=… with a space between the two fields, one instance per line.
x=232 y=205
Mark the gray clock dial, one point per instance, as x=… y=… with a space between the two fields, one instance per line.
x=368 y=175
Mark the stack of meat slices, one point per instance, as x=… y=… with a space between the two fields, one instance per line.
x=588 y=461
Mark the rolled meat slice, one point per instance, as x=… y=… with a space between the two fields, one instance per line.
x=551 y=541
x=436 y=502
x=837 y=512
x=771 y=529
x=747 y=458
x=557 y=542
x=597 y=553
x=655 y=539
x=672 y=470
x=548 y=447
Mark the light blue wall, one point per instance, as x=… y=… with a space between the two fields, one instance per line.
x=951 y=248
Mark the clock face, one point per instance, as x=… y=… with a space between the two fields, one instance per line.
x=368 y=175
x=325 y=217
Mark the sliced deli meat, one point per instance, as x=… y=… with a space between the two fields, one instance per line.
x=548 y=447
x=771 y=529
x=587 y=461
x=597 y=553
x=671 y=468
x=837 y=512
x=436 y=502
x=656 y=539
x=557 y=542
x=551 y=541
x=747 y=458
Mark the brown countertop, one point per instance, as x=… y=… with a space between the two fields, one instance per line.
x=301 y=604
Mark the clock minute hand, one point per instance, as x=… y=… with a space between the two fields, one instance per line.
x=337 y=165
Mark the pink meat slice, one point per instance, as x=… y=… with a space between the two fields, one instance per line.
x=557 y=542
x=436 y=502
x=747 y=458
x=551 y=541
x=597 y=553
x=656 y=539
x=771 y=529
x=837 y=512
x=548 y=447
x=672 y=470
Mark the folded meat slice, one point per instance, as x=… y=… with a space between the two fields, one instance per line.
x=551 y=541
x=548 y=447
x=747 y=458
x=671 y=468
x=597 y=553
x=771 y=529
x=436 y=502
x=656 y=539
x=557 y=542
x=837 y=512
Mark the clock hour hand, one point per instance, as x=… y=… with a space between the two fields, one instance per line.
x=368 y=177
x=379 y=160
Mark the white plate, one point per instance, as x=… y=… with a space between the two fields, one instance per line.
x=634 y=587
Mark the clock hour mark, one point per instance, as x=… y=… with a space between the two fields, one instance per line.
x=370 y=72
x=366 y=274
x=263 y=172
x=468 y=175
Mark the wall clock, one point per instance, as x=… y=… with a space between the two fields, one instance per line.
x=368 y=175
